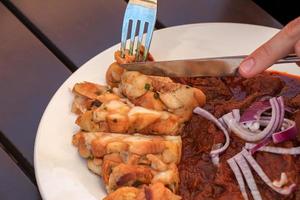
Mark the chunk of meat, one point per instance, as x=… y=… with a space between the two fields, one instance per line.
x=295 y=102
x=199 y=178
x=214 y=88
x=221 y=110
x=297 y=120
x=263 y=83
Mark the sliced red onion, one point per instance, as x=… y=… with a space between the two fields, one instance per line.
x=239 y=177
x=267 y=97
x=276 y=150
x=236 y=127
x=215 y=158
x=290 y=132
x=290 y=110
x=277 y=115
x=264 y=177
x=236 y=114
x=249 y=131
x=242 y=163
x=222 y=122
x=210 y=117
x=286 y=109
x=266 y=141
x=281 y=111
x=264 y=121
x=255 y=110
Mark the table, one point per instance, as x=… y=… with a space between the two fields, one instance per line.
x=43 y=42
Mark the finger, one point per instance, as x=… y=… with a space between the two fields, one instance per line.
x=267 y=54
x=297 y=50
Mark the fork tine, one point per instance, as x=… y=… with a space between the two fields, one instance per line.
x=124 y=35
x=132 y=36
x=149 y=33
x=140 y=39
x=126 y=19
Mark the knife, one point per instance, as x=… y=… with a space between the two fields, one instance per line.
x=219 y=66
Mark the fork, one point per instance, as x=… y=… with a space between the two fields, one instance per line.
x=142 y=12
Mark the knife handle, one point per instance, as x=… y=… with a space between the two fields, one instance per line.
x=291 y=58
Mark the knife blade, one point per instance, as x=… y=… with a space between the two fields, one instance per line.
x=221 y=66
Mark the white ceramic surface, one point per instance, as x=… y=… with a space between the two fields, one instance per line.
x=60 y=172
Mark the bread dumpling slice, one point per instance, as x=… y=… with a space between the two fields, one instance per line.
x=131 y=160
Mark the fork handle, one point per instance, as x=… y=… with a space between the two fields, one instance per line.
x=149 y=1
x=146 y=3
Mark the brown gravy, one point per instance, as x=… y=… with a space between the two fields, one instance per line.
x=200 y=179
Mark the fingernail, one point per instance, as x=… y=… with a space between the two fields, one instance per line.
x=247 y=65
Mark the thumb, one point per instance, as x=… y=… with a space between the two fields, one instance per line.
x=271 y=51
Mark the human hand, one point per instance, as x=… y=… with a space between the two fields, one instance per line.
x=279 y=46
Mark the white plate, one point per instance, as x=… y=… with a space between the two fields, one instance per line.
x=60 y=172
